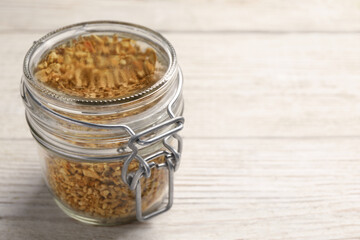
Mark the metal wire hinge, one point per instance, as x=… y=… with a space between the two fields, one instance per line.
x=172 y=155
x=172 y=161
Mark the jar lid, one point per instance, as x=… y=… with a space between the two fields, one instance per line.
x=99 y=62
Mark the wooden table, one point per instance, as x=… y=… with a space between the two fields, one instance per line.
x=272 y=137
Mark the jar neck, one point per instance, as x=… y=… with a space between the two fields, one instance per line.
x=109 y=113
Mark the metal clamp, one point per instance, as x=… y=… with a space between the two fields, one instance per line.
x=139 y=214
x=172 y=158
x=172 y=161
x=137 y=139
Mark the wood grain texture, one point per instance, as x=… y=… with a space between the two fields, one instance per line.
x=272 y=120
x=202 y=15
x=277 y=85
x=249 y=189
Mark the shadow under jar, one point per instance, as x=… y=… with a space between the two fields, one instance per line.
x=104 y=102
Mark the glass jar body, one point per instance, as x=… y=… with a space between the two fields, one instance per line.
x=93 y=192
x=84 y=146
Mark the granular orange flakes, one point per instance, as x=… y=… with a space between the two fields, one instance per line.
x=98 y=66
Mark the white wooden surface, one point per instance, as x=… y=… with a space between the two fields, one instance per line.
x=272 y=119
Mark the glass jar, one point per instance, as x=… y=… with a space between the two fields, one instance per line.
x=111 y=160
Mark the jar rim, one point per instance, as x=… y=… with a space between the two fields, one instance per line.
x=171 y=66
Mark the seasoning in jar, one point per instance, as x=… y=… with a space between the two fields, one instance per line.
x=96 y=189
x=85 y=96
x=98 y=66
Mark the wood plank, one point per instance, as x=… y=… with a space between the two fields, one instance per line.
x=272 y=119
x=270 y=85
x=233 y=189
x=204 y=15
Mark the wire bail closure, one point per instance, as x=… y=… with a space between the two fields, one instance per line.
x=172 y=157
x=172 y=162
